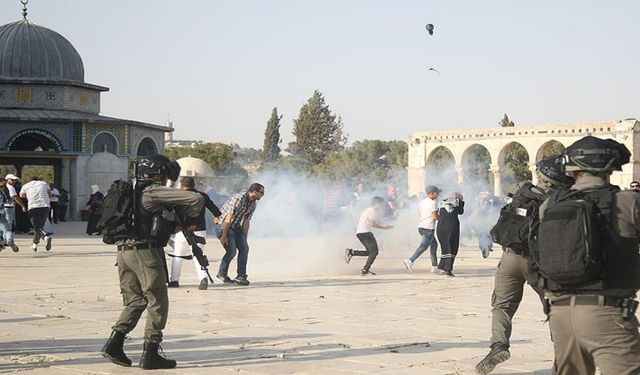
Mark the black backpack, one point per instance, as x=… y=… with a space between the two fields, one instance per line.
x=116 y=218
x=516 y=218
x=568 y=244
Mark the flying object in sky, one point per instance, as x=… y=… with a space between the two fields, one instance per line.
x=429 y=28
x=434 y=70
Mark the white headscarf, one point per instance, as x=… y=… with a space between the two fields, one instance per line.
x=451 y=202
x=95 y=189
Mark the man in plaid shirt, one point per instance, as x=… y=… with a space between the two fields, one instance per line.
x=233 y=228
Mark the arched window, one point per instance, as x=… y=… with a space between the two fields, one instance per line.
x=147 y=147
x=105 y=142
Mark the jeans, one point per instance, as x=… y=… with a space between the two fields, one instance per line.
x=237 y=241
x=6 y=223
x=371 y=246
x=428 y=241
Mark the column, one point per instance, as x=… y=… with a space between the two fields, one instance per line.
x=460 y=171
x=497 y=181
x=66 y=184
x=534 y=175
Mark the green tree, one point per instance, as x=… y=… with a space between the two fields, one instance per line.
x=217 y=155
x=271 y=146
x=318 y=133
x=516 y=163
x=372 y=160
x=505 y=122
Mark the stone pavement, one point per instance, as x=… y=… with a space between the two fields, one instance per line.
x=56 y=309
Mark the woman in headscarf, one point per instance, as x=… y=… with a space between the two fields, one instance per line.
x=94 y=208
x=448 y=231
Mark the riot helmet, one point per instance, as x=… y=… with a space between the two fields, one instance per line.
x=156 y=165
x=595 y=155
x=550 y=170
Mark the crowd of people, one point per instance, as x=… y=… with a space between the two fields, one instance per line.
x=572 y=236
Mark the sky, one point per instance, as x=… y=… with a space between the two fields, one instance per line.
x=218 y=68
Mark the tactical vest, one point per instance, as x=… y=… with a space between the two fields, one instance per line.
x=620 y=255
x=151 y=226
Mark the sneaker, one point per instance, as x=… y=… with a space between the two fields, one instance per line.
x=224 y=278
x=204 y=284
x=366 y=272
x=47 y=240
x=173 y=284
x=485 y=252
x=14 y=247
x=347 y=255
x=435 y=269
x=497 y=354
x=448 y=273
x=240 y=280
x=408 y=264
x=34 y=246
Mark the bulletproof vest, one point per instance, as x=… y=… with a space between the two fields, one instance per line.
x=154 y=227
x=616 y=259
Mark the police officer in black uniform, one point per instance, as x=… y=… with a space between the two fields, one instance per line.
x=513 y=272
x=141 y=262
x=593 y=323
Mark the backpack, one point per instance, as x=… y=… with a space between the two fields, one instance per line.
x=515 y=220
x=568 y=244
x=116 y=218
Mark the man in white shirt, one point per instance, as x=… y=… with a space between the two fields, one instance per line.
x=37 y=193
x=428 y=210
x=368 y=220
x=8 y=216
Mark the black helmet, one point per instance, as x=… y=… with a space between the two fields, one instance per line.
x=549 y=169
x=149 y=166
x=593 y=154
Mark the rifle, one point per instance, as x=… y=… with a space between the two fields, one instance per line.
x=193 y=241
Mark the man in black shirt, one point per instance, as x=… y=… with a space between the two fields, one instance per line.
x=181 y=249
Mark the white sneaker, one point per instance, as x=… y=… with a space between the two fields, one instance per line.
x=34 y=246
x=408 y=264
x=47 y=241
x=434 y=269
x=347 y=255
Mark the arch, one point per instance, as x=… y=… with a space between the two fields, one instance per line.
x=513 y=164
x=34 y=140
x=441 y=167
x=549 y=148
x=476 y=164
x=147 y=147
x=105 y=142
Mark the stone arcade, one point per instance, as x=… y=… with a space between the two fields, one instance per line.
x=461 y=147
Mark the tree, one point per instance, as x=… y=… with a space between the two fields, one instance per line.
x=505 y=122
x=516 y=162
x=217 y=155
x=370 y=160
x=271 y=148
x=318 y=133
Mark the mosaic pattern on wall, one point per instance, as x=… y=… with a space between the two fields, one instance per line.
x=50 y=97
x=62 y=134
x=118 y=131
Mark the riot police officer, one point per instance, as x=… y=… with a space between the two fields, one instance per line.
x=141 y=263
x=512 y=272
x=592 y=319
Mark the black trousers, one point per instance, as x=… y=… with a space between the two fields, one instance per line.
x=38 y=217
x=371 y=246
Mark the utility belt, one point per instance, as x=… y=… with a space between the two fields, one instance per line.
x=628 y=305
x=144 y=246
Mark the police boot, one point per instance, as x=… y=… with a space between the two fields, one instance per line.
x=113 y=349
x=151 y=360
x=498 y=354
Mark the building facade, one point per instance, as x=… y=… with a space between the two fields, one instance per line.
x=49 y=116
x=457 y=154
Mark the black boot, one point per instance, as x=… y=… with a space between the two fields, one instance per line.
x=498 y=354
x=151 y=360
x=113 y=349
